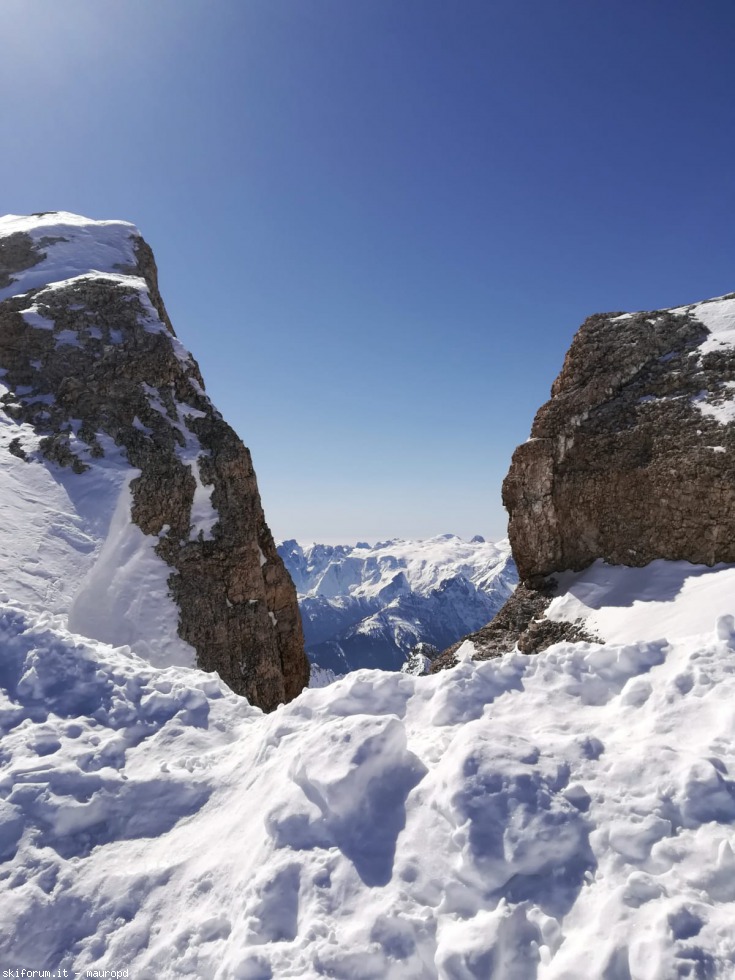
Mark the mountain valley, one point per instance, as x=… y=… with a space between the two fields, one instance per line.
x=370 y=606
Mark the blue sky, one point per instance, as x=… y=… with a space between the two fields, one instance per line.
x=378 y=223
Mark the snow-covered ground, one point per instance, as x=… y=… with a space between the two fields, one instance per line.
x=565 y=815
x=666 y=598
x=369 y=605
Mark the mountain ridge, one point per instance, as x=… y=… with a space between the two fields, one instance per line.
x=368 y=606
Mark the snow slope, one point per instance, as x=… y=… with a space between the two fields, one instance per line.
x=369 y=606
x=74 y=246
x=565 y=815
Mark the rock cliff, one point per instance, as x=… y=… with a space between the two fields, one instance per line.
x=632 y=459
x=95 y=382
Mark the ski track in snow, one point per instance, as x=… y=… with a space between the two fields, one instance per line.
x=568 y=814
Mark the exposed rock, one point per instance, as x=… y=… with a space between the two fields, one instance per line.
x=621 y=463
x=17 y=252
x=96 y=356
x=631 y=460
x=520 y=622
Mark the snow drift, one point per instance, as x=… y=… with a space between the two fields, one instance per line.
x=568 y=814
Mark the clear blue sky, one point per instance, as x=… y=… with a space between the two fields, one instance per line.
x=378 y=223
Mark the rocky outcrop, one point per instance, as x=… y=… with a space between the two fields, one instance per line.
x=92 y=362
x=522 y=623
x=632 y=459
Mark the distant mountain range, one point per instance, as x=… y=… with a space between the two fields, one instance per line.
x=369 y=605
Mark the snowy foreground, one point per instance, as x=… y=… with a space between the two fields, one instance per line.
x=569 y=814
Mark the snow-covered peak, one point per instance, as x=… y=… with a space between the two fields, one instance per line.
x=367 y=606
x=64 y=246
x=365 y=571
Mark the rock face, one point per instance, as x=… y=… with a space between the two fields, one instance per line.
x=632 y=458
x=93 y=371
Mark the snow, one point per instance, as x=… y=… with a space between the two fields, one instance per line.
x=124 y=597
x=723 y=411
x=203 y=514
x=83 y=246
x=367 y=606
x=37 y=320
x=665 y=598
x=718 y=315
x=66 y=554
x=68 y=338
x=564 y=815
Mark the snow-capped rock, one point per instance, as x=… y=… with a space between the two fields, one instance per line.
x=130 y=506
x=631 y=462
x=366 y=606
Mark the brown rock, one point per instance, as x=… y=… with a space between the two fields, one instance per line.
x=520 y=622
x=121 y=376
x=620 y=466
